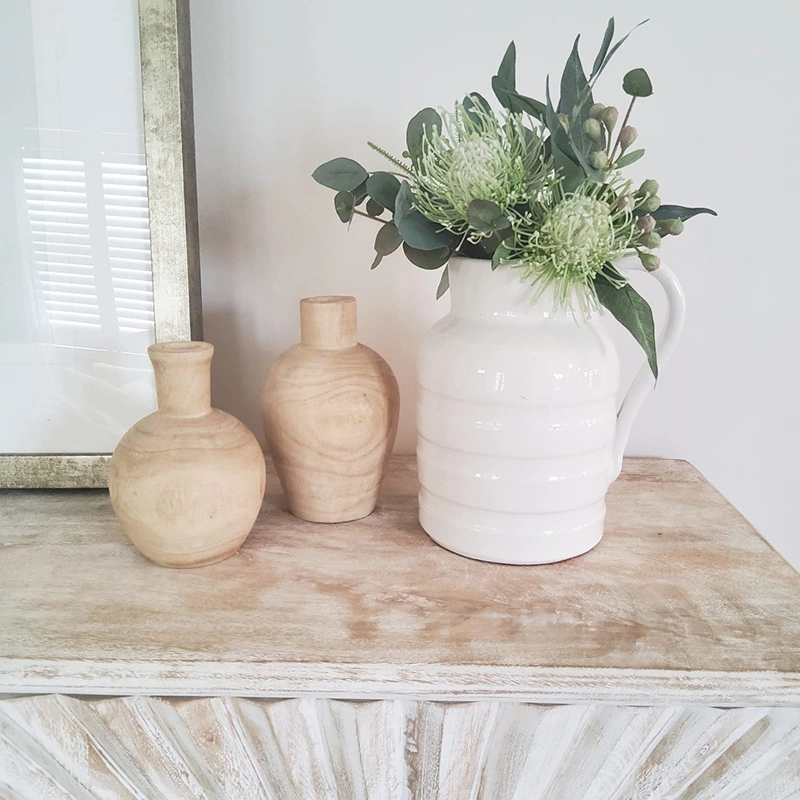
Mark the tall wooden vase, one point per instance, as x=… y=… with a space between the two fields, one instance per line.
x=186 y=482
x=330 y=408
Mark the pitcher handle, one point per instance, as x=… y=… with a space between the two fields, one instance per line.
x=644 y=383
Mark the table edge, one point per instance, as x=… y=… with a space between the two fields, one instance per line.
x=548 y=685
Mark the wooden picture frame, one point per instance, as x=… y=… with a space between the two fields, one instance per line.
x=165 y=51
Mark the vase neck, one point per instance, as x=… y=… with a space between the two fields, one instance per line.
x=183 y=377
x=328 y=323
x=498 y=296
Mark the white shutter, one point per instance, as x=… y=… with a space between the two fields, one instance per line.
x=58 y=214
x=69 y=246
x=128 y=234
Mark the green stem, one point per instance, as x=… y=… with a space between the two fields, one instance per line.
x=362 y=214
x=621 y=127
x=391 y=159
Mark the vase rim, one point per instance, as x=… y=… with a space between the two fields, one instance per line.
x=181 y=351
x=475 y=260
x=326 y=299
x=470 y=261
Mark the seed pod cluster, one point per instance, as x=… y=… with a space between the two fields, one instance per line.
x=648 y=187
x=610 y=117
x=594 y=130
x=626 y=202
x=627 y=136
x=646 y=224
x=598 y=159
x=651 y=203
x=649 y=261
x=673 y=227
x=650 y=240
x=596 y=111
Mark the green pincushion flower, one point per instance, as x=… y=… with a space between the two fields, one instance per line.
x=478 y=155
x=568 y=239
x=477 y=167
x=578 y=233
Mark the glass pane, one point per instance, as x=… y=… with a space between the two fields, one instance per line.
x=76 y=290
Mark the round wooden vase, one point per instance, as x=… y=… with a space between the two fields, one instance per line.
x=186 y=482
x=330 y=408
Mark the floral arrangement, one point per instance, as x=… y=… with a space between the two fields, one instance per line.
x=531 y=185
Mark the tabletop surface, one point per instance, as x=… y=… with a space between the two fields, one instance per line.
x=682 y=601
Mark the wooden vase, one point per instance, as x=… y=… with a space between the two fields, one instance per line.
x=330 y=408
x=186 y=482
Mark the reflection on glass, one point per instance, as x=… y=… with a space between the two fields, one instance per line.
x=76 y=289
x=65 y=241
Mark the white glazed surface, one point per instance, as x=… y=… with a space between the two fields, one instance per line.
x=517 y=418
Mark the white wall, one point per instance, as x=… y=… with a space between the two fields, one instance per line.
x=281 y=87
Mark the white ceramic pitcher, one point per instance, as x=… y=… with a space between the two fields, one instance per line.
x=519 y=431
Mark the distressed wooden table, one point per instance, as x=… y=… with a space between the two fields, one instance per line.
x=363 y=661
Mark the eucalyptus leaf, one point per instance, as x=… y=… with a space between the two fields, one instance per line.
x=596 y=72
x=492 y=242
x=341 y=174
x=576 y=101
x=630 y=309
x=576 y=138
x=501 y=92
x=526 y=105
x=403 y=202
x=472 y=101
x=388 y=239
x=572 y=175
x=547 y=148
x=637 y=83
x=374 y=209
x=421 y=124
x=575 y=90
x=427 y=259
x=417 y=230
x=360 y=193
x=560 y=138
x=383 y=187
x=504 y=85
x=507 y=72
x=531 y=140
x=603 y=52
x=679 y=212
x=628 y=159
x=386 y=242
x=444 y=283
x=486 y=216
x=516 y=102
x=610 y=270
x=499 y=254
x=423 y=234
x=344 y=203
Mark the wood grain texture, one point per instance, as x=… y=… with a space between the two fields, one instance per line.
x=230 y=749
x=682 y=603
x=186 y=482
x=330 y=408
